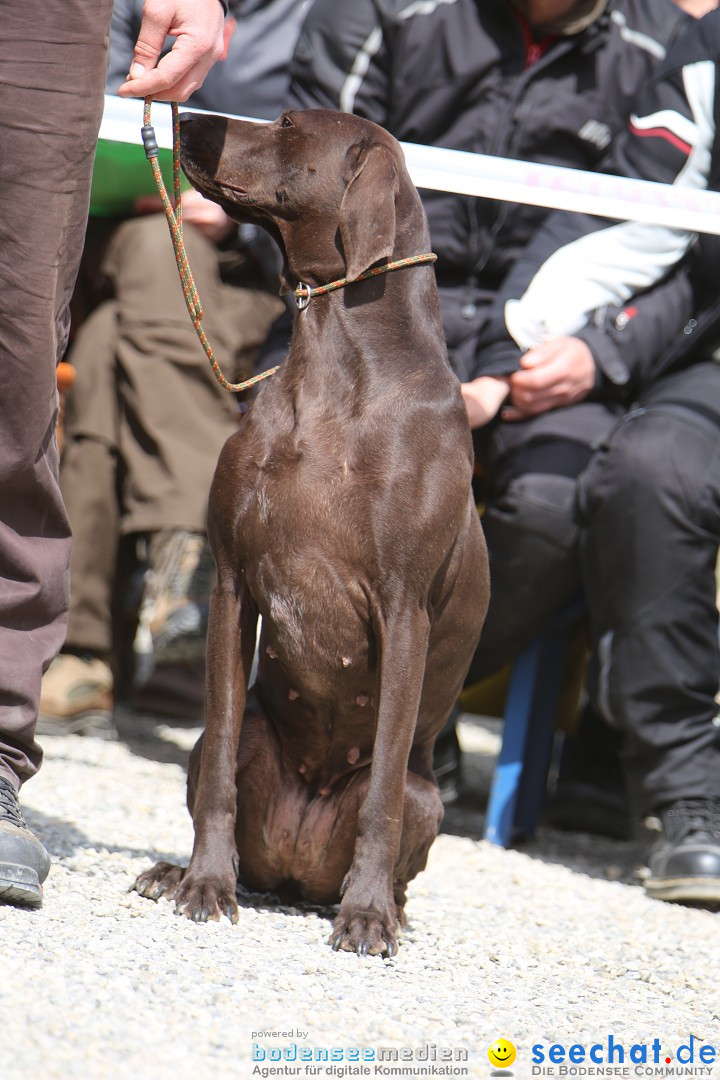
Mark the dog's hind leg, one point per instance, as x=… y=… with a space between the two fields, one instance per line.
x=160 y=880
x=421 y=821
x=367 y=920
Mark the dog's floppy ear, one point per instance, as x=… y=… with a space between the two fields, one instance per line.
x=367 y=211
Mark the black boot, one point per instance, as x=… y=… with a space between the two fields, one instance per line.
x=24 y=862
x=684 y=862
x=590 y=795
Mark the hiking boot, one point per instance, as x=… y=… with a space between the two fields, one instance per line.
x=77 y=698
x=684 y=863
x=447 y=767
x=24 y=862
x=174 y=613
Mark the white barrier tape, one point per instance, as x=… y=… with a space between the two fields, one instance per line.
x=123 y=117
x=563 y=189
x=499 y=178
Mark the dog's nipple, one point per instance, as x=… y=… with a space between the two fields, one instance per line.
x=346 y=661
x=271 y=652
x=293 y=694
x=353 y=755
x=302 y=769
x=361 y=699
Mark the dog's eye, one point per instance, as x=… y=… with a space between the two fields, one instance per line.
x=286 y=122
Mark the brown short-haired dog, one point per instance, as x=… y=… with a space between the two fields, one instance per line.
x=341 y=512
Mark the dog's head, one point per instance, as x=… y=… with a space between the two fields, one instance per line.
x=329 y=187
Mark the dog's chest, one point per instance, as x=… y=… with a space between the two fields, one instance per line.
x=305 y=519
x=311 y=564
x=316 y=616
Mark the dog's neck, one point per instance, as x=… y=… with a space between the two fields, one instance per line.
x=303 y=294
x=373 y=323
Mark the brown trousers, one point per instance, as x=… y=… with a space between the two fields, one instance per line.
x=52 y=72
x=145 y=419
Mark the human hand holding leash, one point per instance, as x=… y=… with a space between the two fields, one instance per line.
x=197 y=26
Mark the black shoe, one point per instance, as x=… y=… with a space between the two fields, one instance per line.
x=447 y=766
x=590 y=795
x=684 y=862
x=590 y=808
x=24 y=862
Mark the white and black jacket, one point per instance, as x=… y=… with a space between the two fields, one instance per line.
x=644 y=297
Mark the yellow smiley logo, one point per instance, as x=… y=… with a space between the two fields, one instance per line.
x=501 y=1053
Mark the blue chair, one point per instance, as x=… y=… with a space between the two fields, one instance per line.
x=520 y=777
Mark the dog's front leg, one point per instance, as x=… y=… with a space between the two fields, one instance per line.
x=208 y=888
x=367 y=921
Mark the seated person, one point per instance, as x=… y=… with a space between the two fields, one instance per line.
x=145 y=419
x=649 y=501
x=545 y=80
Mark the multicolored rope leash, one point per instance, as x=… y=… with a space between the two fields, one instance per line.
x=174 y=220
x=303 y=293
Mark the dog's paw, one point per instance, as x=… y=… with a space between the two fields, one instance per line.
x=160 y=880
x=206 y=900
x=364 y=933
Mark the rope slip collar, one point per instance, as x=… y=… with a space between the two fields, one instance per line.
x=303 y=293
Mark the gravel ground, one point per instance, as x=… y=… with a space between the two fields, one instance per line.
x=554 y=943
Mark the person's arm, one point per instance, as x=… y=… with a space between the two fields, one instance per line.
x=617 y=352
x=341 y=60
x=196 y=26
x=124 y=30
x=630 y=343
